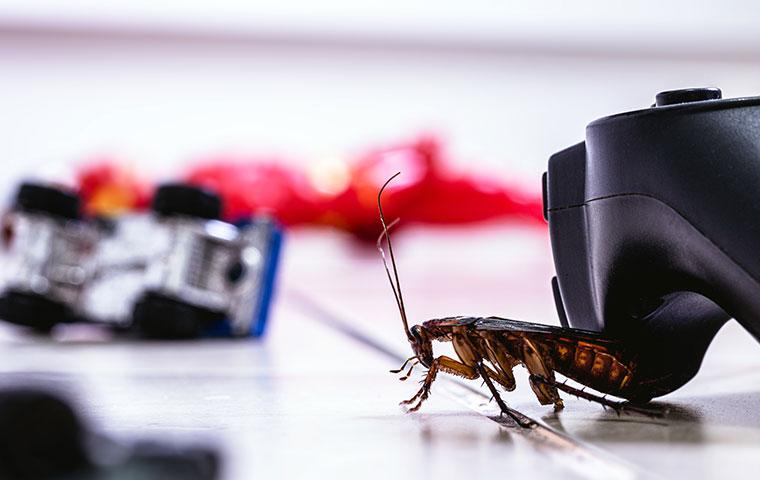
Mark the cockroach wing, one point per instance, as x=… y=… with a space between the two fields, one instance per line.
x=506 y=324
x=591 y=358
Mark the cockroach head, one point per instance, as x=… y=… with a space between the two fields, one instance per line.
x=422 y=345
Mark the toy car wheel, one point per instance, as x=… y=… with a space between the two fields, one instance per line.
x=49 y=200
x=33 y=311
x=159 y=317
x=180 y=199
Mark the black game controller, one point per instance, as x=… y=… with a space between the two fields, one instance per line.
x=655 y=225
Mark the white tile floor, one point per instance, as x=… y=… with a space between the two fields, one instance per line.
x=311 y=402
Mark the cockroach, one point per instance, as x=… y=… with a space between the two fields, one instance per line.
x=489 y=348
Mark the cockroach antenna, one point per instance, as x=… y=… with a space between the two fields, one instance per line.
x=396 y=287
x=385 y=263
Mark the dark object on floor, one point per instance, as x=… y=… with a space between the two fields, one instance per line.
x=42 y=437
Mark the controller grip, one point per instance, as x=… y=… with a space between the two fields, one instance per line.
x=673 y=336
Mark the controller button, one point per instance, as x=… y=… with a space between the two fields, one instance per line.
x=687 y=95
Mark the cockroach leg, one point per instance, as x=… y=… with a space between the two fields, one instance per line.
x=602 y=400
x=497 y=376
x=536 y=364
x=409 y=372
x=482 y=369
x=423 y=393
x=448 y=365
x=403 y=366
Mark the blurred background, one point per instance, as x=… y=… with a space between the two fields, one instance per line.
x=160 y=82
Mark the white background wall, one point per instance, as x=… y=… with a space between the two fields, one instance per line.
x=161 y=82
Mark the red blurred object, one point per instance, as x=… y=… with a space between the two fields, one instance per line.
x=251 y=186
x=109 y=188
x=427 y=191
x=354 y=208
